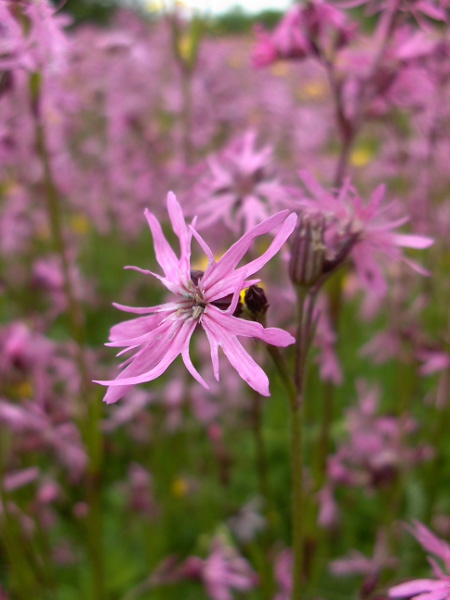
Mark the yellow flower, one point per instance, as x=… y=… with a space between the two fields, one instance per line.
x=280 y=69
x=24 y=389
x=362 y=156
x=180 y=487
x=79 y=224
x=313 y=90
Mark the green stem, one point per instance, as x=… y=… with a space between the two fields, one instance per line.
x=185 y=70
x=283 y=372
x=295 y=392
x=323 y=445
x=89 y=410
x=297 y=499
x=260 y=448
x=296 y=408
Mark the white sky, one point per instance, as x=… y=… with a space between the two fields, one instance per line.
x=218 y=6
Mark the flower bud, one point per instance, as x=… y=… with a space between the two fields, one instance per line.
x=307 y=260
x=256 y=301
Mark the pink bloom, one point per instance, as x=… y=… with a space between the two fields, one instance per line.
x=419 y=9
x=18 y=479
x=241 y=186
x=433 y=361
x=287 y=42
x=316 y=29
x=358 y=563
x=367 y=224
x=427 y=589
x=208 y=299
x=44 y=44
x=377 y=449
x=325 y=339
x=283 y=574
x=222 y=571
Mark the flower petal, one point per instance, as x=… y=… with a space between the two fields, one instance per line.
x=192 y=370
x=165 y=255
x=221 y=332
x=182 y=231
x=412 y=588
x=221 y=279
x=156 y=356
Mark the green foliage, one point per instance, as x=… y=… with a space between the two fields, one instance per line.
x=97 y=11
x=237 y=21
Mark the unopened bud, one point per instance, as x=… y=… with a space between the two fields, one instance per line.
x=256 y=301
x=308 y=251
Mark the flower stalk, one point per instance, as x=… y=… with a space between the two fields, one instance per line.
x=89 y=411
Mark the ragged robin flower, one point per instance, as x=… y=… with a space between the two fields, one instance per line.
x=208 y=300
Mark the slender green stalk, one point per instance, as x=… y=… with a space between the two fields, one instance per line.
x=261 y=559
x=296 y=407
x=323 y=442
x=295 y=390
x=437 y=436
x=283 y=372
x=260 y=447
x=297 y=499
x=185 y=67
x=88 y=408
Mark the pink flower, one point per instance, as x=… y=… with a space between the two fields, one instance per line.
x=419 y=9
x=283 y=574
x=207 y=299
x=221 y=572
x=433 y=361
x=368 y=225
x=287 y=42
x=316 y=29
x=427 y=589
x=241 y=186
x=43 y=46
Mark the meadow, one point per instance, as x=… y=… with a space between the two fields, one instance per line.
x=258 y=225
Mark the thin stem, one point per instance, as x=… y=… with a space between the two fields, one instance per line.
x=185 y=71
x=323 y=445
x=297 y=499
x=300 y=344
x=260 y=448
x=283 y=372
x=295 y=392
x=296 y=408
x=89 y=410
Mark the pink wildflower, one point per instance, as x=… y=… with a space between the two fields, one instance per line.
x=208 y=299
x=283 y=574
x=433 y=361
x=427 y=589
x=316 y=29
x=221 y=572
x=240 y=187
x=419 y=9
x=367 y=224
